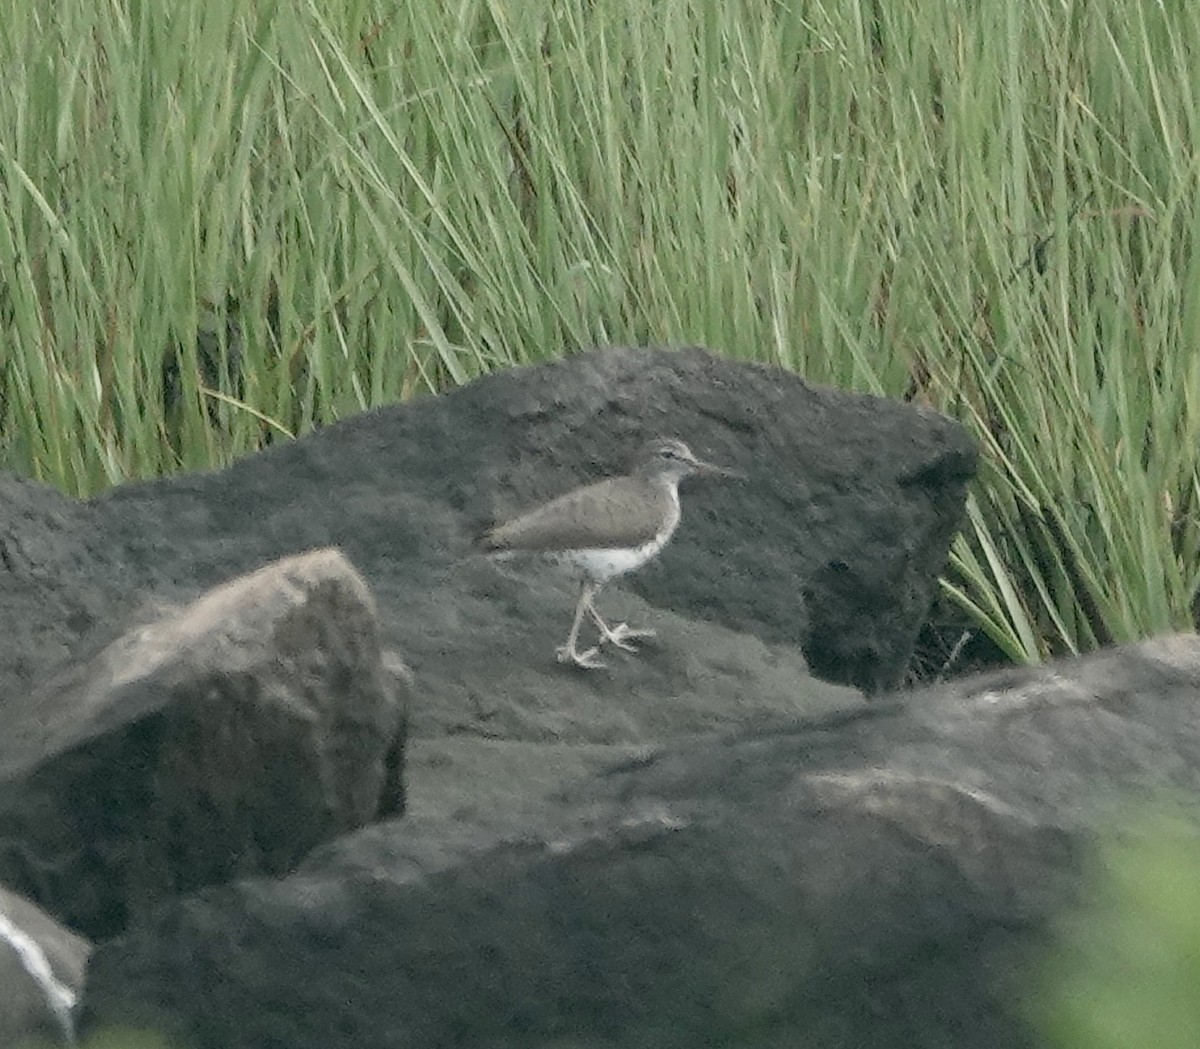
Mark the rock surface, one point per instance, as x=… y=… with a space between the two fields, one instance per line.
x=41 y=975
x=871 y=880
x=833 y=544
x=830 y=550
x=494 y=891
x=224 y=739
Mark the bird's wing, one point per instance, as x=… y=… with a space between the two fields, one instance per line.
x=602 y=518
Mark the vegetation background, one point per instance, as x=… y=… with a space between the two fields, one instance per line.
x=226 y=222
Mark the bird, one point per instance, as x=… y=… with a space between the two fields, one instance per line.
x=605 y=530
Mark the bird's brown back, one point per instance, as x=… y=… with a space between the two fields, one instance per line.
x=618 y=512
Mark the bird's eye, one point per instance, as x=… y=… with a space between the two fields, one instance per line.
x=668 y=453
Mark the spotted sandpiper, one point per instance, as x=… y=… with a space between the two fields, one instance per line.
x=605 y=530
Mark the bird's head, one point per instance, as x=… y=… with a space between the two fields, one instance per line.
x=670 y=459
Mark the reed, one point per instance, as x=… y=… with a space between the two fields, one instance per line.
x=227 y=223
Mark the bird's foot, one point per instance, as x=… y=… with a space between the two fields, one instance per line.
x=622 y=634
x=589 y=659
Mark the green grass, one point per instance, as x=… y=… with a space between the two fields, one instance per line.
x=1124 y=968
x=224 y=222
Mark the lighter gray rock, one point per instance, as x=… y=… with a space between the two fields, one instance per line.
x=41 y=974
x=227 y=738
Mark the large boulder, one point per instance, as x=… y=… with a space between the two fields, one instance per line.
x=876 y=879
x=825 y=559
x=223 y=739
x=833 y=545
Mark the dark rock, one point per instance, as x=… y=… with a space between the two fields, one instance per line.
x=834 y=544
x=874 y=880
x=223 y=740
x=56 y=582
x=41 y=974
x=826 y=556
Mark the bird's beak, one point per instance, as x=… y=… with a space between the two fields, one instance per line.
x=704 y=469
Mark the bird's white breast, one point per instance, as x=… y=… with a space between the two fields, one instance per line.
x=604 y=563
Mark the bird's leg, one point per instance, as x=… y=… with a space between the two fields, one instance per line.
x=618 y=635
x=569 y=653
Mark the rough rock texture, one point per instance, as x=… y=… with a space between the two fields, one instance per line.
x=224 y=739
x=825 y=557
x=833 y=544
x=41 y=974
x=55 y=580
x=872 y=880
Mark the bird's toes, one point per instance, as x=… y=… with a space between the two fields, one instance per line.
x=588 y=659
x=622 y=634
